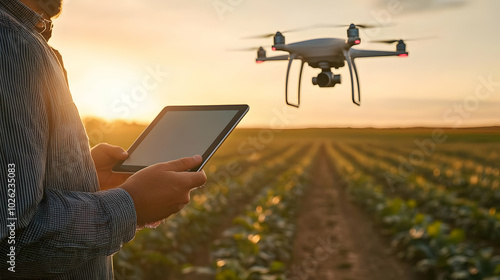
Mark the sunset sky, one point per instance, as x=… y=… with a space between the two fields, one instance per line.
x=128 y=59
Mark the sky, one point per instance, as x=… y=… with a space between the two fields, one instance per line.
x=128 y=59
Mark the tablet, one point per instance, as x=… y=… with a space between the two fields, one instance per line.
x=182 y=131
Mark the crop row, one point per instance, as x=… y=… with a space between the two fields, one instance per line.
x=257 y=245
x=488 y=152
x=439 y=250
x=477 y=222
x=467 y=178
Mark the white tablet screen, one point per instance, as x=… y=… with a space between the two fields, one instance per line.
x=180 y=134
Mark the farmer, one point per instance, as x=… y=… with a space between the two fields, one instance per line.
x=63 y=213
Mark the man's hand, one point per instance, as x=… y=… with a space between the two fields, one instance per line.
x=163 y=189
x=105 y=156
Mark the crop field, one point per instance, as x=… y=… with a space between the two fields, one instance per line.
x=331 y=204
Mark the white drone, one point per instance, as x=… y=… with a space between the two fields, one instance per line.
x=325 y=54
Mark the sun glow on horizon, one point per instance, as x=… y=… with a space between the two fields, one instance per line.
x=113 y=91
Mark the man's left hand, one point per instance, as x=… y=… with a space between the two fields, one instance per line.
x=105 y=156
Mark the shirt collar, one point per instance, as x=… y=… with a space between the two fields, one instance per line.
x=21 y=12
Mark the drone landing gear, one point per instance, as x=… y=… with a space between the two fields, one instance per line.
x=352 y=65
x=326 y=78
x=290 y=60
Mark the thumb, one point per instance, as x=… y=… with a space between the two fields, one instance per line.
x=183 y=164
x=115 y=151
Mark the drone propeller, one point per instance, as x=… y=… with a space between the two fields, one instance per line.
x=385 y=41
x=263 y=36
x=270 y=35
x=316 y=26
x=405 y=40
x=245 y=49
x=363 y=26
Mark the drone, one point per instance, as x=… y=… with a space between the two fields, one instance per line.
x=325 y=54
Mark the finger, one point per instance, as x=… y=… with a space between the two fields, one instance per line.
x=193 y=180
x=198 y=178
x=203 y=185
x=115 y=151
x=182 y=164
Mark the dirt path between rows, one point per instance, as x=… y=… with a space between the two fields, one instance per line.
x=335 y=240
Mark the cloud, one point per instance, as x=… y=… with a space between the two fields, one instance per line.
x=415 y=6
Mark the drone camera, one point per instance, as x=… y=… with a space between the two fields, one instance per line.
x=326 y=79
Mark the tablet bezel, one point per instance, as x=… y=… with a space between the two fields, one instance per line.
x=241 y=108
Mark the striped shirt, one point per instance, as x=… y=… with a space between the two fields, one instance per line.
x=54 y=221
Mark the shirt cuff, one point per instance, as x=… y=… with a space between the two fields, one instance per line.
x=122 y=218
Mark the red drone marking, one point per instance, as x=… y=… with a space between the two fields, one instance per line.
x=273 y=48
x=260 y=61
x=403 y=55
x=357 y=42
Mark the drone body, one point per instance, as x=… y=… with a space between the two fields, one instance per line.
x=325 y=54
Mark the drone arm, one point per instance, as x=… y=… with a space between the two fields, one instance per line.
x=351 y=64
x=368 y=53
x=292 y=57
x=273 y=58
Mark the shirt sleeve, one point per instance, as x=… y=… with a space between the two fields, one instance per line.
x=45 y=231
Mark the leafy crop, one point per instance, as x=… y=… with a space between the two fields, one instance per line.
x=440 y=211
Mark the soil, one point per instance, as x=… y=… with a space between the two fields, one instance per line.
x=336 y=240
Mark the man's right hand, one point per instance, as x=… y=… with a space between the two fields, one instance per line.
x=163 y=189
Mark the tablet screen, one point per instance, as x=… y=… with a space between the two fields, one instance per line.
x=182 y=131
x=180 y=134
